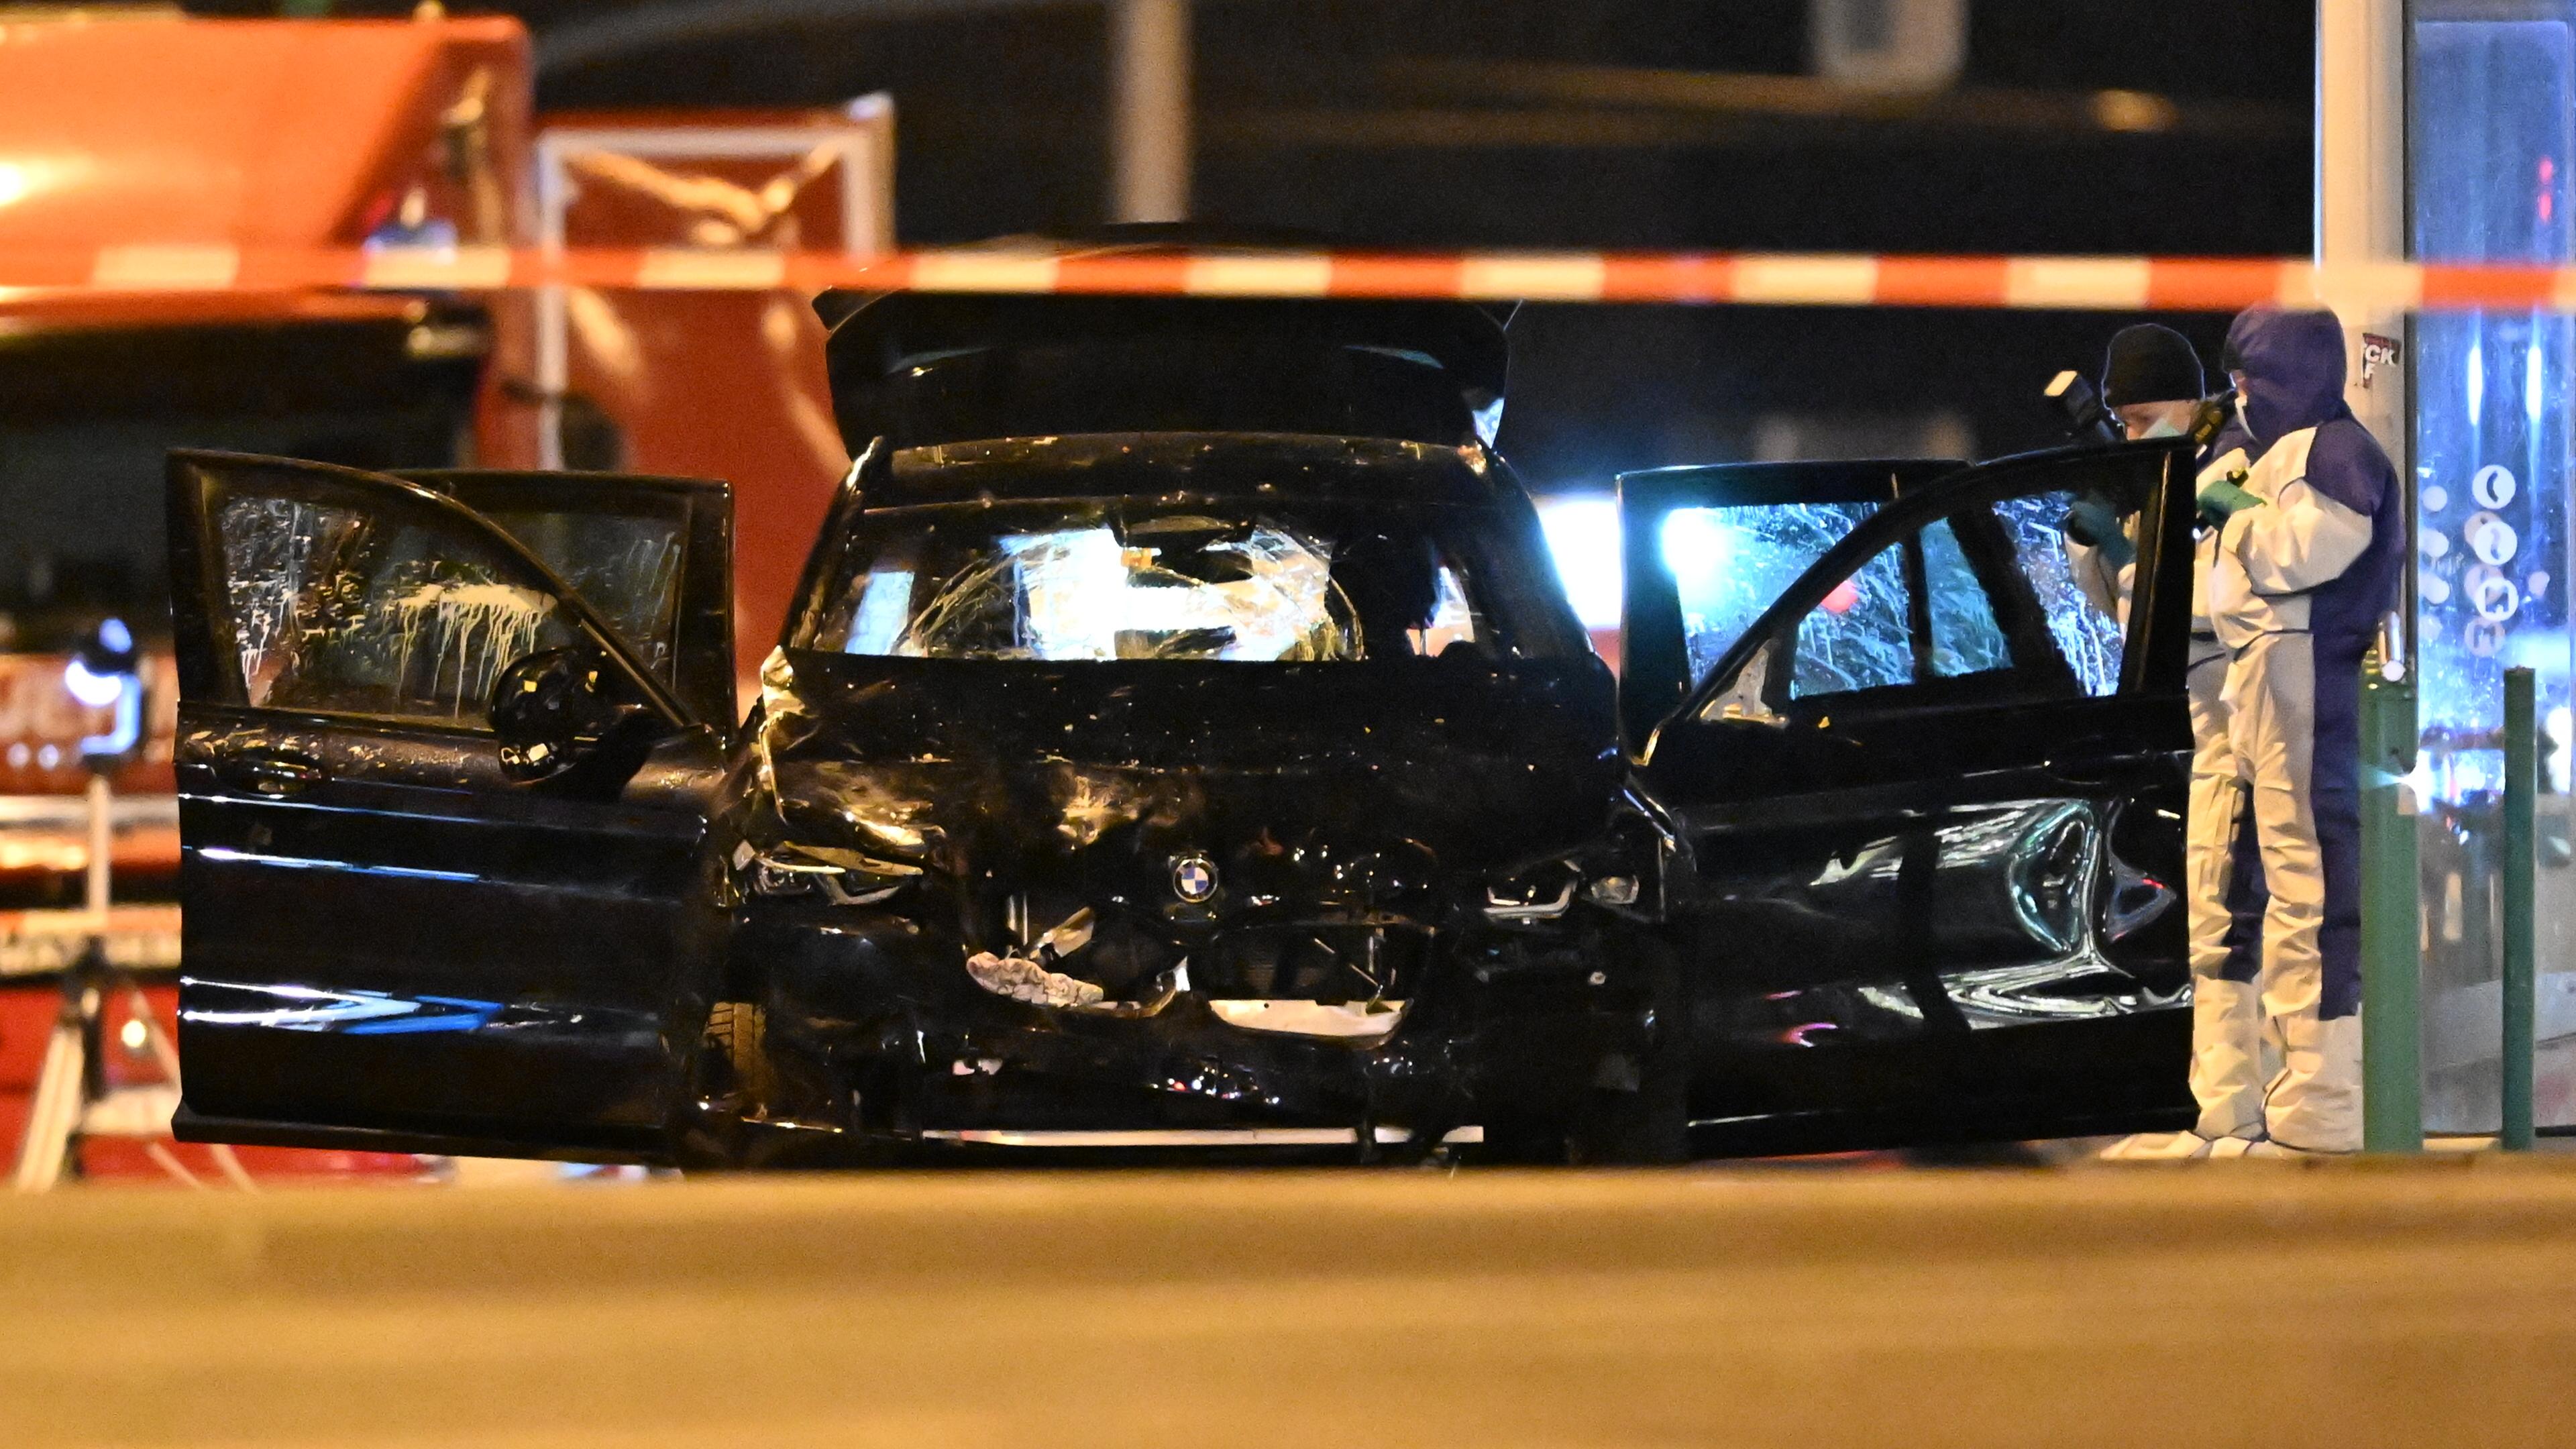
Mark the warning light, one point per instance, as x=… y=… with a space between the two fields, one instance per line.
x=1845 y=594
x=106 y=673
x=98 y=691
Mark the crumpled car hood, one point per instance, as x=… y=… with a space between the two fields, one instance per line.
x=985 y=765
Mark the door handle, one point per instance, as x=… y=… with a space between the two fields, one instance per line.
x=273 y=773
x=2093 y=761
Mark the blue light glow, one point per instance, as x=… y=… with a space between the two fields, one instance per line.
x=98 y=691
x=1583 y=537
x=352 y=1012
x=460 y=1014
x=1696 y=545
x=286 y=862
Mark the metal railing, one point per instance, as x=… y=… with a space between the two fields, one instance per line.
x=2392 y=940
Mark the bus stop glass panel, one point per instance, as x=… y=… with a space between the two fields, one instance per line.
x=2493 y=134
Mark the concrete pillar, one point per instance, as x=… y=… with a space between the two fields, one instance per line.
x=1149 y=89
x=2361 y=219
x=2361 y=181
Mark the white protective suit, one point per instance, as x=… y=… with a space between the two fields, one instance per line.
x=2223 y=883
x=2296 y=587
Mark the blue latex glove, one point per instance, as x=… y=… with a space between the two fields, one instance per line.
x=2092 y=523
x=2223 y=500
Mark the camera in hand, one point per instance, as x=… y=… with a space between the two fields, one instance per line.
x=2087 y=420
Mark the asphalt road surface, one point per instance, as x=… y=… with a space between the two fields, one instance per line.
x=2351 y=1305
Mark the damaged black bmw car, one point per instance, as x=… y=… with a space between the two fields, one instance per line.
x=1179 y=741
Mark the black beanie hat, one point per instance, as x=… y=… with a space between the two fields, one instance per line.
x=2149 y=363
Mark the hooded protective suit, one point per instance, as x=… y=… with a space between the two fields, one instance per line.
x=2296 y=586
x=2223 y=883
x=2224 y=892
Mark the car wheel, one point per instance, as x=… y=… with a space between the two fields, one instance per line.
x=730 y=1080
x=734 y=1037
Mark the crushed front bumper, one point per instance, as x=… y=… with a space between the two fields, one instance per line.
x=877 y=1029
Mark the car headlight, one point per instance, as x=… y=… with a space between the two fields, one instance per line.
x=1541 y=893
x=1545 y=892
x=1612 y=890
x=843 y=877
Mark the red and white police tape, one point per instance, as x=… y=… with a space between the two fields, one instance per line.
x=1757 y=278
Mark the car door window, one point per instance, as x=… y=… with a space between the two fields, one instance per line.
x=1921 y=610
x=626 y=563
x=1859 y=636
x=1966 y=639
x=2091 y=638
x=396 y=613
x=1730 y=563
x=649 y=556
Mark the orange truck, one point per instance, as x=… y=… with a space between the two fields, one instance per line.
x=159 y=155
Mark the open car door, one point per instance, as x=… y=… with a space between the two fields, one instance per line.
x=1930 y=795
x=391 y=937
x=1768 y=521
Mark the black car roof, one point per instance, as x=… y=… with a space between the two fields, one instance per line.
x=919 y=368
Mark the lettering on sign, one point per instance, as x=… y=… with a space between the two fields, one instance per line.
x=2378 y=352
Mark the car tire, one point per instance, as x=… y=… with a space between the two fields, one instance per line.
x=729 y=1077
x=735 y=1032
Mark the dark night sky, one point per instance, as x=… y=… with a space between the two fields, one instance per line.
x=1416 y=123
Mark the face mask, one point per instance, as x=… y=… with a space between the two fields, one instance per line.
x=2162 y=428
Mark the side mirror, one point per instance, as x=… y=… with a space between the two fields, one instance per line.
x=550 y=714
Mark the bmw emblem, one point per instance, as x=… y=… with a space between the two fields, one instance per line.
x=1194 y=878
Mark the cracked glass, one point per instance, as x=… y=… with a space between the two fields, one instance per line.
x=2091 y=640
x=349 y=611
x=1965 y=637
x=1146 y=579
x=1731 y=563
x=1857 y=637
x=625 y=564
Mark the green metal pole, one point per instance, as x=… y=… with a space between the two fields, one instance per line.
x=2521 y=791
x=2392 y=1072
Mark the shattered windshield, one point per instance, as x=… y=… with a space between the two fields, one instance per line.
x=1211 y=579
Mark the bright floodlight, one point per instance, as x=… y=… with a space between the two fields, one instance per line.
x=1583 y=535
